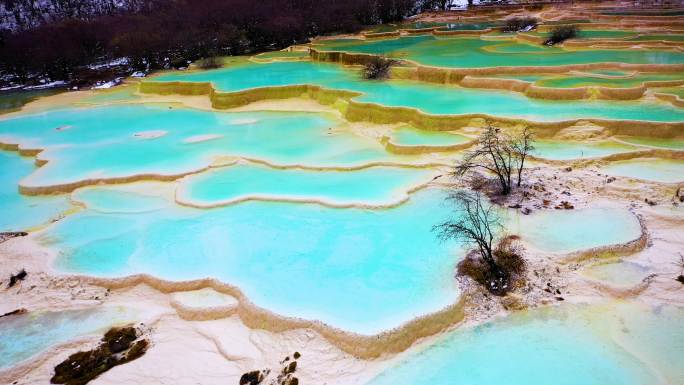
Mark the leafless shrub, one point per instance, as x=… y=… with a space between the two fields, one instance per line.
x=501 y=154
x=378 y=68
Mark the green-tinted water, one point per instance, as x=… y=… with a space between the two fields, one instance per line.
x=429 y=98
x=584 y=81
x=14 y=100
x=469 y=52
x=679 y=91
x=674 y=144
x=595 y=34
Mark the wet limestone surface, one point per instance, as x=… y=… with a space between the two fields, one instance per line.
x=204 y=299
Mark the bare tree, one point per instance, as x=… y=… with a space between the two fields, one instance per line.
x=501 y=154
x=523 y=144
x=476 y=222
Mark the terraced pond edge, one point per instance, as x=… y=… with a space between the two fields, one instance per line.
x=376 y=113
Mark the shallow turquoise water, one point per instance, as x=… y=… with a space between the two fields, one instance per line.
x=23 y=336
x=469 y=52
x=619 y=273
x=19 y=212
x=119 y=200
x=409 y=136
x=102 y=143
x=564 y=231
x=362 y=270
x=429 y=98
x=566 y=345
x=375 y=186
x=565 y=150
x=596 y=81
x=676 y=144
x=658 y=170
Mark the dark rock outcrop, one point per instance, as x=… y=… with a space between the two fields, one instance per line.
x=118 y=347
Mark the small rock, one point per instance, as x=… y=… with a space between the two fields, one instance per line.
x=20 y=276
x=290 y=368
x=15 y=312
x=252 y=378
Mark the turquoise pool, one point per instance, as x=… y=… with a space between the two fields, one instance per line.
x=20 y=212
x=473 y=52
x=377 y=186
x=429 y=98
x=121 y=141
x=625 y=343
x=23 y=336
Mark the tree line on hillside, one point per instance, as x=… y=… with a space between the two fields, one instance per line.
x=169 y=33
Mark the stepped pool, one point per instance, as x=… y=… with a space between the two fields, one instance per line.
x=566 y=150
x=362 y=270
x=409 y=136
x=428 y=98
x=673 y=144
x=124 y=141
x=473 y=52
x=618 y=273
x=569 y=231
x=657 y=170
x=570 y=344
x=325 y=216
x=612 y=82
x=382 y=186
x=20 y=212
